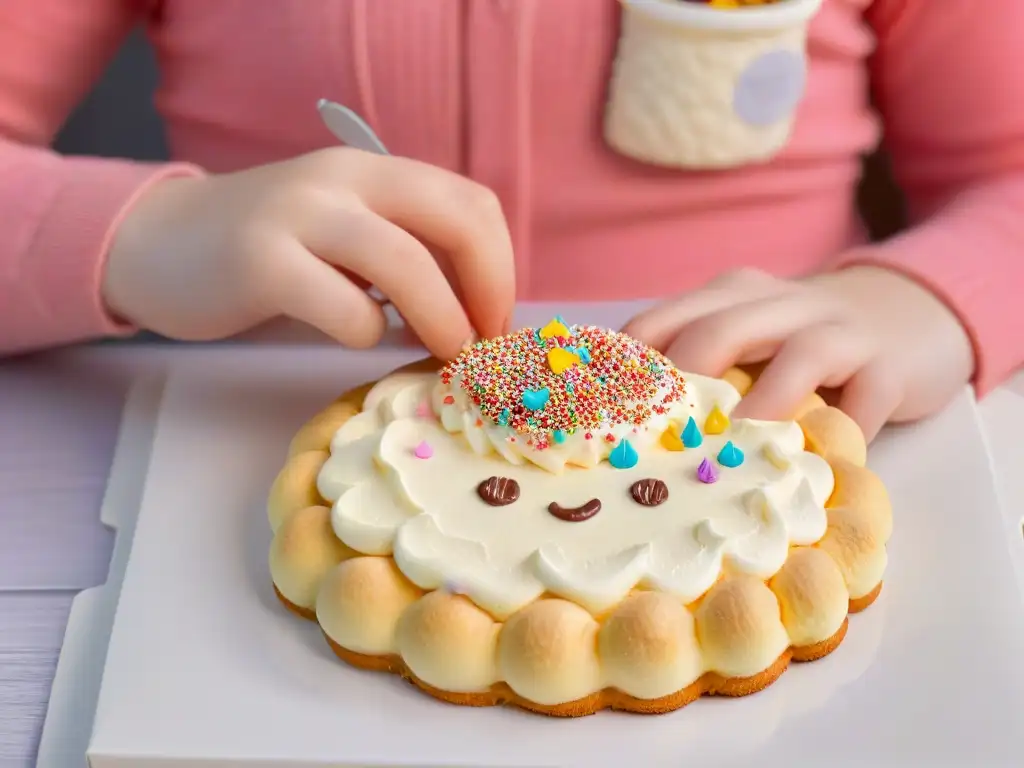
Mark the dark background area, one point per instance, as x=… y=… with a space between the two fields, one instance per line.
x=118 y=120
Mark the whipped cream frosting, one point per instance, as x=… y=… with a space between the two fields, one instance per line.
x=427 y=514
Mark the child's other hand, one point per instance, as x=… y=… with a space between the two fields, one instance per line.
x=201 y=259
x=895 y=350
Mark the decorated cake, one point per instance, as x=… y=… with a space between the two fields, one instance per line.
x=561 y=520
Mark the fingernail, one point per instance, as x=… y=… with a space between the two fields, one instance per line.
x=468 y=343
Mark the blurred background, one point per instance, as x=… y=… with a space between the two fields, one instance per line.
x=118 y=120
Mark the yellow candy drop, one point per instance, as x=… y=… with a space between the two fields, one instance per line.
x=561 y=360
x=671 y=438
x=717 y=422
x=553 y=330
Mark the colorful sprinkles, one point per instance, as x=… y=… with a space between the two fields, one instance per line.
x=732 y=3
x=560 y=379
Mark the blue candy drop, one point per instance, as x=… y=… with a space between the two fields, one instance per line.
x=692 y=438
x=730 y=455
x=623 y=455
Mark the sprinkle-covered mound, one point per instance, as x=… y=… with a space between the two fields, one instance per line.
x=552 y=381
x=732 y=3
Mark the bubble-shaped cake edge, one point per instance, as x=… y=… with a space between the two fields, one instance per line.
x=650 y=654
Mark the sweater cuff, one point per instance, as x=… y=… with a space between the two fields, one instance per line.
x=69 y=251
x=970 y=261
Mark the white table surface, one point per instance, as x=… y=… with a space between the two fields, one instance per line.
x=59 y=417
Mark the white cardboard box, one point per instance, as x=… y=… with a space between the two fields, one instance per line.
x=205 y=669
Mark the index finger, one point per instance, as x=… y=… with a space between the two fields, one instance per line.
x=660 y=324
x=399 y=265
x=462 y=218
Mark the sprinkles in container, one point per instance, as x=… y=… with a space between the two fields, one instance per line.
x=707 y=85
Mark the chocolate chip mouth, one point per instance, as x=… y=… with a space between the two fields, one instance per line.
x=499 y=491
x=575 y=514
x=649 y=492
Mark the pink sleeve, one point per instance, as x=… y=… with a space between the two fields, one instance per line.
x=949 y=86
x=57 y=214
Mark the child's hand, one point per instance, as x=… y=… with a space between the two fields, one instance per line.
x=892 y=347
x=201 y=259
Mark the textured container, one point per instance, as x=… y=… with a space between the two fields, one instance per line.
x=707 y=88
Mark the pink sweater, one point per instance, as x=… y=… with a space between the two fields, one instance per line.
x=510 y=92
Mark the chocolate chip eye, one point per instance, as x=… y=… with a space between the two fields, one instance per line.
x=649 y=492
x=498 y=491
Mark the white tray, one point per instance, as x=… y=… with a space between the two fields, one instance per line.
x=204 y=667
x=1002 y=418
x=77 y=679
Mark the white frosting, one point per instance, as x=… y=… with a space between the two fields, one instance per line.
x=428 y=515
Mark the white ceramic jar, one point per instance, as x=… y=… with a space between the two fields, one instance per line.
x=700 y=87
